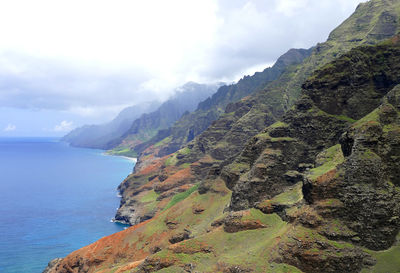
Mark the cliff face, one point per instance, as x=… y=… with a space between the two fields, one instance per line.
x=330 y=202
x=341 y=92
x=301 y=176
x=226 y=137
x=191 y=125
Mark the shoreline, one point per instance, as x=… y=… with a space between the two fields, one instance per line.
x=133 y=159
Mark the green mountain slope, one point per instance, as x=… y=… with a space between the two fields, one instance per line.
x=192 y=124
x=337 y=212
x=225 y=138
x=367 y=25
x=301 y=176
x=140 y=122
x=98 y=136
x=147 y=125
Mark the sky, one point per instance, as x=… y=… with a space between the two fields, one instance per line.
x=65 y=63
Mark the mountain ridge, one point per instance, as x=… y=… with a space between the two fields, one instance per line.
x=300 y=176
x=146 y=122
x=193 y=124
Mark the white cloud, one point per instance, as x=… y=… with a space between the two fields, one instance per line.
x=64 y=126
x=87 y=56
x=10 y=128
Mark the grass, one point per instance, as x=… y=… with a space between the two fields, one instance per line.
x=150 y=196
x=122 y=151
x=171 y=161
x=248 y=249
x=184 y=151
x=185 y=165
x=279 y=139
x=163 y=142
x=344 y=118
x=266 y=136
x=371 y=117
x=180 y=196
x=368 y=154
x=266 y=219
x=391 y=128
x=279 y=124
x=290 y=197
x=237 y=167
x=331 y=158
x=388 y=261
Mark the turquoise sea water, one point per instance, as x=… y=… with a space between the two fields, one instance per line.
x=54 y=199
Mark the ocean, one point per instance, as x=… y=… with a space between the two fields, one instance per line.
x=54 y=199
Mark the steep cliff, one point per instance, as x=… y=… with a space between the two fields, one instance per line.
x=192 y=124
x=329 y=200
x=225 y=138
x=301 y=176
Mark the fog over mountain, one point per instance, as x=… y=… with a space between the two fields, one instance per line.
x=64 y=72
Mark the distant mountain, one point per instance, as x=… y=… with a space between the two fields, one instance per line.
x=299 y=176
x=192 y=124
x=98 y=136
x=185 y=100
x=137 y=124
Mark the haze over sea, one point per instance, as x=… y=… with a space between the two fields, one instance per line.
x=54 y=199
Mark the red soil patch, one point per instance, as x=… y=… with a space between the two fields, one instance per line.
x=174 y=191
x=175 y=180
x=106 y=251
x=129 y=266
x=326 y=178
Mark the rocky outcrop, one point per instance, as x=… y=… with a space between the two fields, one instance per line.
x=52 y=265
x=316 y=191
x=223 y=139
x=352 y=195
x=226 y=137
x=316 y=122
x=193 y=124
x=366 y=184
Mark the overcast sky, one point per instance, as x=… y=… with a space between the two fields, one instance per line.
x=64 y=63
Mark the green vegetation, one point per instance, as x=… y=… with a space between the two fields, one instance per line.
x=279 y=124
x=171 y=161
x=184 y=151
x=344 y=118
x=180 y=196
x=283 y=139
x=371 y=117
x=150 y=196
x=122 y=151
x=163 y=142
x=238 y=167
x=369 y=154
x=329 y=159
x=386 y=261
x=289 y=197
x=150 y=200
x=266 y=219
x=266 y=136
x=249 y=249
x=252 y=246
